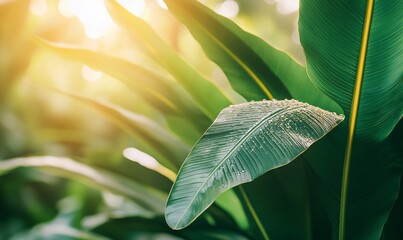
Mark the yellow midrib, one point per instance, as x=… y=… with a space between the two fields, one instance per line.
x=239 y=61
x=354 y=113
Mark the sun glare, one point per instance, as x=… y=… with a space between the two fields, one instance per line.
x=228 y=8
x=91 y=13
x=162 y=4
x=136 y=7
x=38 y=7
x=89 y=74
x=285 y=6
x=94 y=16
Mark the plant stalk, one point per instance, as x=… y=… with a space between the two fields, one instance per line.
x=253 y=213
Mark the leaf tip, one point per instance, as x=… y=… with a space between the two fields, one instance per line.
x=172 y=222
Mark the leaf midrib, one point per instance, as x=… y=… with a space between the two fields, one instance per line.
x=354 y=113
x=233 y=55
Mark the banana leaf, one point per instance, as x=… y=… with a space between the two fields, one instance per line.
x=149 y=198
x=196 y=85
x=255 y=69
x=151 y=137
x=14 y=47
x=245 y=141
x=159 y=91
x=353 y=51
x=162 y=93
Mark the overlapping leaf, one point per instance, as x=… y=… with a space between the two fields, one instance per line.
x=15 y=50
x=151 y=137
x=149 y=198
x=161 y=92
x=196 y=85
x=129 y=227
x=255 y=69
x=244 y=142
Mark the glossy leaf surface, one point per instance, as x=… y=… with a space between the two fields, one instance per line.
x=245 y=141
x=332 y=47
x=255 y=69
x=355 y=57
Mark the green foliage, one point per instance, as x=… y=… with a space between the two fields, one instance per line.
x=151 y=200
x=192 y=81
x=255 y=69
x=336 y=62
x=245 y=141
x=271 y=169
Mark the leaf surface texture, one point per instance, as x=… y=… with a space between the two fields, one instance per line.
x=245 y=141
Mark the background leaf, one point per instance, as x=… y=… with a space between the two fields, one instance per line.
x=255 y=69
x=13 y=45
x=150 y=135
x=161 y=92
x=149 y=198
x=191 y=80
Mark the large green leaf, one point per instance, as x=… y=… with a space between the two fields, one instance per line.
x=332 y=47
x=285 y=204
x=197 y=86
x=255 y=69
x=151 y=199
x=151 y=137
x=245 y=141
x=354 y=56
x=373 y=184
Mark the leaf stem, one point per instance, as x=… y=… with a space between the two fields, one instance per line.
x=354 y=114
x=253 y=213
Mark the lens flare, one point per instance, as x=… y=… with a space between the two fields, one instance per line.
x=229 y=9
x=38 y=7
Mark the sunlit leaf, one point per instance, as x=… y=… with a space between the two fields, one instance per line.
x=196 y=85
x=161 y=92
x=15 y=50
x=149 y=198
x=155 y=140
x=245 y=141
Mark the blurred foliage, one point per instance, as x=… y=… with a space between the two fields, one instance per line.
x=38 y=117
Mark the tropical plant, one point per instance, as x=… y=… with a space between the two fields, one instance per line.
x=307 y=173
